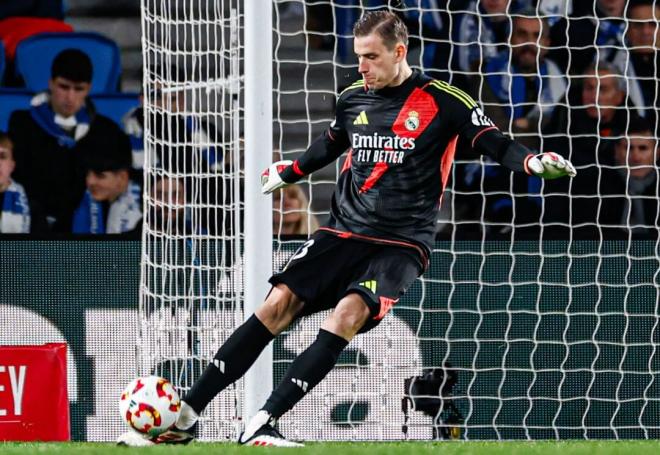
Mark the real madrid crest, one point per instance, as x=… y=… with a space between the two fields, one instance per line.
x=412 y=122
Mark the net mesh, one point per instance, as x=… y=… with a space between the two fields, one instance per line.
x=540 y=306
x=548 y=339
x=192 y=187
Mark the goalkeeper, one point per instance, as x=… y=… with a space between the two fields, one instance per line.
x=400 y=128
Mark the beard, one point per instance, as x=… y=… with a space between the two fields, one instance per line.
x=527 y=58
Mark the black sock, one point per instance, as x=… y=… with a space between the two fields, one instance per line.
x=231 y=362
x=305 y=372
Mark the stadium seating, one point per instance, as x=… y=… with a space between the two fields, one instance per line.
x=35 y=55
x=115 y=105
x=13 y=30
x=11 y=100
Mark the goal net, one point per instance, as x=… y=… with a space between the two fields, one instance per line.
x=538 y=317
x=192 y=191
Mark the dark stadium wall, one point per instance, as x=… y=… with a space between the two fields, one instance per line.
x=557 y=338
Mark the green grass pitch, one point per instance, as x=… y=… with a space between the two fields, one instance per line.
x=355 y=448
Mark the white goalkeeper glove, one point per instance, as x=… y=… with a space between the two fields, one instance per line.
x=270 y=178
x=550 y=166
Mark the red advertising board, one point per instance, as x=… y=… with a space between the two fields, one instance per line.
x=33 y=395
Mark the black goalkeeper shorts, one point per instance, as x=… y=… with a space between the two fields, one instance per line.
x=326 y=268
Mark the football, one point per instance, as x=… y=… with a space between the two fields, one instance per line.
x=150 y=405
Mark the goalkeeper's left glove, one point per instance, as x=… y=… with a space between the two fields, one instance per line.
x=549 y=166
x=271 y=179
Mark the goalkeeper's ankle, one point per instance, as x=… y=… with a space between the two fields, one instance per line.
x=187 y=417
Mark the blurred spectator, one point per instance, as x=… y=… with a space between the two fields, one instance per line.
x=170 y=123
x=522 y=86
x=577 y=127
x=580 y=132
x=345 y=13
x=187 y=147
x=463 y=32
x=629 y=192
x=290 y=217
x=291 y=212
x=481 y=33
x=168 y=211
x=133 y=123
x=112 y=203
x=429 y=21
x=17 y=214
x=592 y=30
x=214 y=195
x=639 y=62
x=53 y=136
x=621 y=191
x=520 y=90
x=32 y=8
x=495 y=203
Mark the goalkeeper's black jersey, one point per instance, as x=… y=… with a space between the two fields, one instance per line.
x=401 y=143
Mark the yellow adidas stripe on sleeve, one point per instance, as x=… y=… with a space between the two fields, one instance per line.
x=456 y=92
x=355 y=84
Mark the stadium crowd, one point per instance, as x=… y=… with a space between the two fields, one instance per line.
x=576 y=78
x=69 y=165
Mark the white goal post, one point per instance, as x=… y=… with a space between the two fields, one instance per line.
x=258 y=208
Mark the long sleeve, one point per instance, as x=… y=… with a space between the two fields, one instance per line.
x=324 y=150
x=477 y=129
x=505 y=151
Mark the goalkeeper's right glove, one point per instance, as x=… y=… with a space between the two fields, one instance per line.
x=271 y=179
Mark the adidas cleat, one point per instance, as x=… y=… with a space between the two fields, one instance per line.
x=261 y=431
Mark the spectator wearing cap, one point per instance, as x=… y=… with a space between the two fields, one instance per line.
x=52 y=138
x=112 y=203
